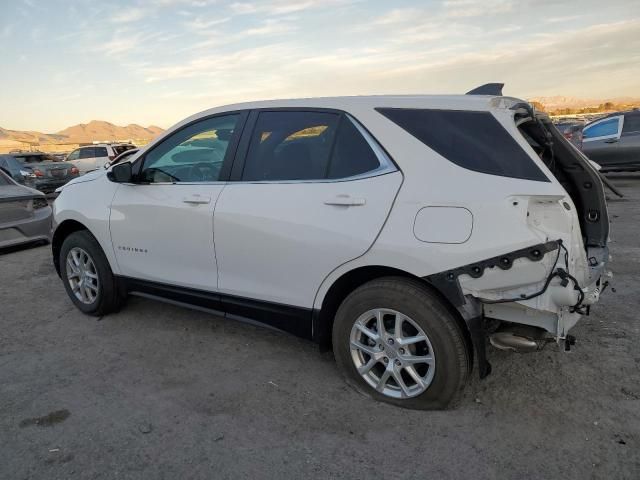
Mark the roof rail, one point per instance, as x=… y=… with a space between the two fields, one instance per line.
x=487 y=89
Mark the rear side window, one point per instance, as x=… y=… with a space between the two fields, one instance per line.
x=352 y=154
x=88 y=152
x=602 y=129
x=290 y=146
x=306 y=145
x=631 y=123
x=472 y=140
x=101 y=152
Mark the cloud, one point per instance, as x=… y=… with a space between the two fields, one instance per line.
x=124 y=41
x=200 y=23
x=270 y=27
x=129 y=15
x=283 y=7
x=6 y=31
x=476 y=8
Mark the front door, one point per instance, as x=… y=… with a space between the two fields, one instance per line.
x=162 y=225
x=313 y=192
x=601 y=140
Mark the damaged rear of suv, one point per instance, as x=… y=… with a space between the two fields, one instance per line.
x=545 y=231
x=403 y=232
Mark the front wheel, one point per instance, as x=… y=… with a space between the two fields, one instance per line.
x=87 y=276
x=395 y=341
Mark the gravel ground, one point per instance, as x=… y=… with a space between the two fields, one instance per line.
x=158 y=391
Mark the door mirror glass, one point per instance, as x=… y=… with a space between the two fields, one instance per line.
x=121 y=173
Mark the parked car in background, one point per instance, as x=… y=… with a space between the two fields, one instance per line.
x=96 y=156
x=124 y=155
x=571 y=130
x=389 y=228
x=614 y=141
x=25 y=214
x=38 y=170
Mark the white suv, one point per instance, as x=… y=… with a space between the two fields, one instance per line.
x=401 y=231
x=92 y=157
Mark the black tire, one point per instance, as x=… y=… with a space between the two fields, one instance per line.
x=417 y=301
x=109 y=297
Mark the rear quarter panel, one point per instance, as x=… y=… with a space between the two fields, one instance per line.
x=498 y=204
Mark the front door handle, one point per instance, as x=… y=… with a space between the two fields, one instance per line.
x=345 y=201
x=196 y=199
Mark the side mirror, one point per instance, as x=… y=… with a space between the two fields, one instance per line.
x=121 y=173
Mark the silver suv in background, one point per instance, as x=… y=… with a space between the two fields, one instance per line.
x=92 y=157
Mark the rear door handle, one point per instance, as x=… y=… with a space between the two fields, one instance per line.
x=196 y=199
x=611 y=140
x=345 y=201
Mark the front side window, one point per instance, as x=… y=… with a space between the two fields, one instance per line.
x=74 y=155
x=194 y=154
x=472 y=140
x=306 y=145
x=604 y=128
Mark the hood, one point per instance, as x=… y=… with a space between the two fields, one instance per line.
x=87 y=177
x=18 y=191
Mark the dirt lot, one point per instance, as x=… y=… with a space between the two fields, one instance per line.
x=158 y=391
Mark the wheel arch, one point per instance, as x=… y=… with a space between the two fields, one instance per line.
x=61 y=232
x=323 y=316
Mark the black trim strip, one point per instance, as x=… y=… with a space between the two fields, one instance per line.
x=447 y=282
x=291 y=319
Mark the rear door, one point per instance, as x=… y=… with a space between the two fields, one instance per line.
x=86 y=160
x=600 y=140
x=101 y=156
x=628 y=151
x=310 y=191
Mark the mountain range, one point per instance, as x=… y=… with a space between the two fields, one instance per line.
x=95 y=130
x=556 y=102
x=98 y=130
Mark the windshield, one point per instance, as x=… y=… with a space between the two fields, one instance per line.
x=122 y=148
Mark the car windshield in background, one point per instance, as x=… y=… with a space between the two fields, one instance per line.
x=4 y=180
x=122 y=148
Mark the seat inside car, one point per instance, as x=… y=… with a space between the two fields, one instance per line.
x=292 y=162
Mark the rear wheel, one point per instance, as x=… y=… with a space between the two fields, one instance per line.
x=395 y=341
x=87 y=276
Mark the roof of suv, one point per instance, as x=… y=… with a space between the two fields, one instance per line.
x=366 y=102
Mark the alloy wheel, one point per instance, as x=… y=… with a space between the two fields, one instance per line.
x=82 y=275
x=392 y=353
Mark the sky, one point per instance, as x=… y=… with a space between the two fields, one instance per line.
x=159 y=61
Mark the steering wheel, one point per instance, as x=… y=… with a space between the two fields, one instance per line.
x=202 y=172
